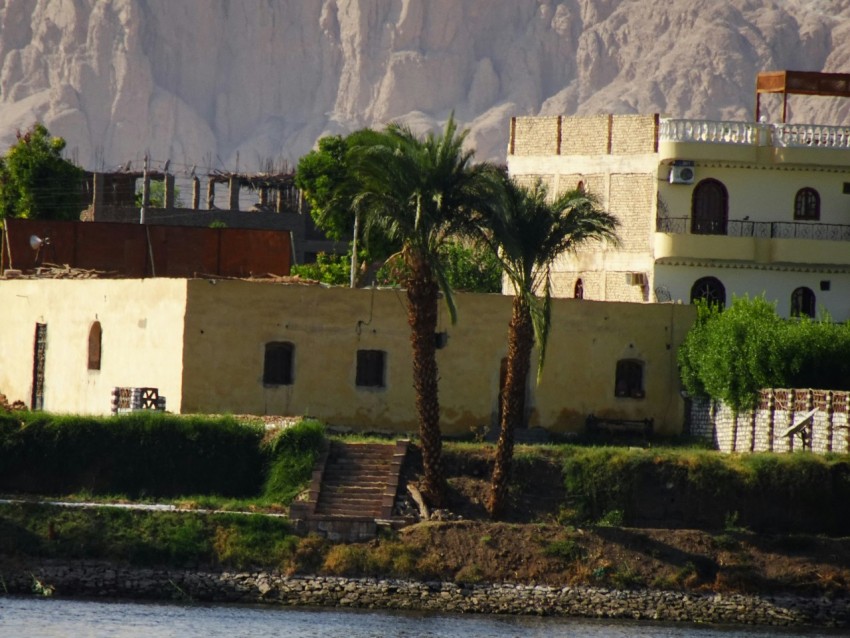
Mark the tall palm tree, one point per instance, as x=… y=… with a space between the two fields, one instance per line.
x=417 y=191
x=529 y=233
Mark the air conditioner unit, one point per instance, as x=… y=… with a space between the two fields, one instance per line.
x=681 y=174
x=635 y=279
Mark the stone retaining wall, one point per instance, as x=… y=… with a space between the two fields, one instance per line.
x=98 y=579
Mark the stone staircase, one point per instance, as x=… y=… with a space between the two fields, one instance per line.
x=353 y=490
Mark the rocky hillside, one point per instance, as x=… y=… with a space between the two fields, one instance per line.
x=234 y=85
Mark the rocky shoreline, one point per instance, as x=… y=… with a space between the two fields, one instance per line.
x=107 y=580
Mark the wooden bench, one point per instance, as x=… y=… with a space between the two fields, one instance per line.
x=595 y=424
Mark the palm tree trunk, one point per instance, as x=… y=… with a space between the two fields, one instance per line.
x=520 y=343
x=422 y=296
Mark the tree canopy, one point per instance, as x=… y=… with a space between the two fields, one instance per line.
x=36 y=182
x=731 y=354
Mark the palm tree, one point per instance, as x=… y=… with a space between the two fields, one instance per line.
x=529 y=233
x=416 y=191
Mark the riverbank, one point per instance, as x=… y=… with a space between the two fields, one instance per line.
x=98 y=579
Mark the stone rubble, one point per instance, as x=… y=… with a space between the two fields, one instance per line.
x=99 y=579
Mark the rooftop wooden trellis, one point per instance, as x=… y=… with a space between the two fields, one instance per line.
x=800 y=83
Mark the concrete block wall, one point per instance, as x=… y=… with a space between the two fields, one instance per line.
x=763 y=429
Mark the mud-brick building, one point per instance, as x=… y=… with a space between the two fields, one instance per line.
x=338 y=354
x=709 y=209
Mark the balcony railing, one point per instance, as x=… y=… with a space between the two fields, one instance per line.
x=747 y=133
x=708 y=131
x=746 y=228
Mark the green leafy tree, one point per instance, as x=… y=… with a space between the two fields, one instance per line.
x=730 y=355
x=528 y=232
x=329 y=185
x=36 y=182
x=415 y=192
x=328 y=269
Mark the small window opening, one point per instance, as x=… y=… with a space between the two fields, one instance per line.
x=95 y=343
x=371 y=366
x=629 y=379
x=579 y=289
x=277 y=367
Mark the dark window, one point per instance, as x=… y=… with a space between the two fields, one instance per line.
x=629 y=381
x=709 y=208
x=579 y=289
x=803 y=303
x=807 y=204
x=824 y=285
x=277 y=367
x=370 y=368
x=710 y=289
x=95 y=337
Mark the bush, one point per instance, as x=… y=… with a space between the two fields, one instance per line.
x=291 y=456
x=141 y=454
x=732 y=354
x=701 y=489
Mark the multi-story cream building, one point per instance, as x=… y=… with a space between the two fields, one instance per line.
x=707 y=208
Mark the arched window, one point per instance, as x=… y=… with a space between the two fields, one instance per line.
x=803 y=302
x=807 y=204
x=95 y=340
x=709 y=208
x=629 y=379
x=277 y=365
x=580 y=186
x=710 y=289
x=578 y=292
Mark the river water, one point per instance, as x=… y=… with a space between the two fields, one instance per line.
x=54 y=618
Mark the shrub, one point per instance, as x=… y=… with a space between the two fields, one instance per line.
x=291 y=456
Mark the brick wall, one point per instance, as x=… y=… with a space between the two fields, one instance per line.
x=535 y=135
x=631 y=200
x=584 y=135
x=634 y=134
x=763 y=429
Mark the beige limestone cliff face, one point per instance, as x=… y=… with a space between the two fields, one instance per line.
x=214 y=83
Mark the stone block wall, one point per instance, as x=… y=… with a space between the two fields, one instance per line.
x=584 y=135
x=535 y=135
x=632 y=201
x=634 y=134
x=764 y=428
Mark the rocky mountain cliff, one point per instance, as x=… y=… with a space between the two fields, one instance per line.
x=236 y=84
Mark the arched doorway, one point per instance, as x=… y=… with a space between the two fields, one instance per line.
x=709 y=208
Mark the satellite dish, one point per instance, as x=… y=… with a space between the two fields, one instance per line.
x=662 y=294
x=801 y=422
x=37 y=242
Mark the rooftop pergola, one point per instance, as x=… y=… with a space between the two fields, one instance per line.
x=800 y=83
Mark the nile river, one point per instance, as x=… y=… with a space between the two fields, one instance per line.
x=53 y=618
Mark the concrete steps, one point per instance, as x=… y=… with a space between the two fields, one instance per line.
x=354 y=487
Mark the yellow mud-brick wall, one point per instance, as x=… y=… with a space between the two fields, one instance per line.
x=632 y=198
x=529 y=181
x=594 y=184
x=634 y=134
x=564 y=284
x=619 y=287
x=534 y=135
x=585 y=135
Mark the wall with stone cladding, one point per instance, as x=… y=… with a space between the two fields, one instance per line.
x=585 y=135
x=632 y=200
x=763 y=429
x=564 y=284
x=634 y=134
x=617 y=288
x=108 y=580
x=535 y=135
